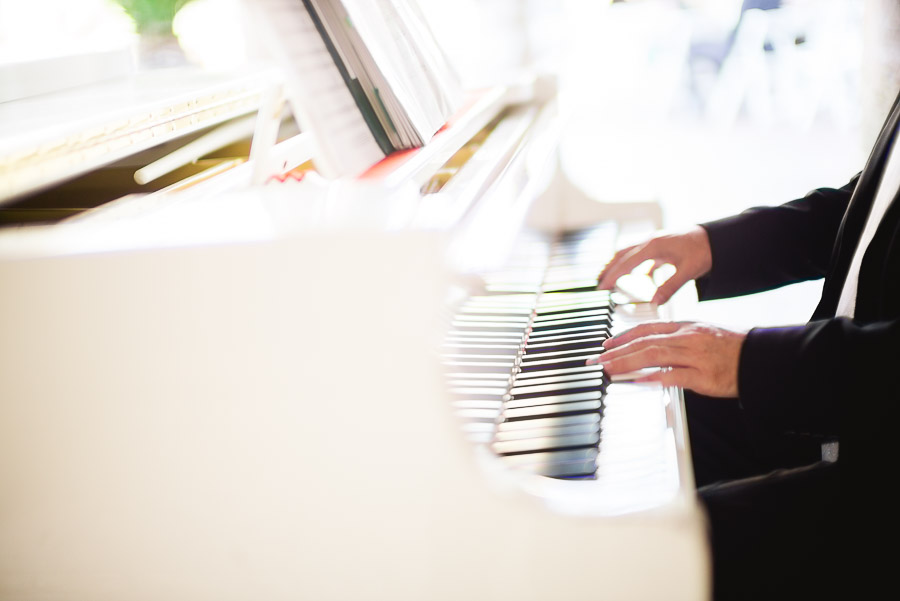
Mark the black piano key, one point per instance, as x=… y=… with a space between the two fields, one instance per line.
x=559 y=399
x=547 y=443
x=547 y=364
x=556 y=379
x=542 y=317
x=568 y=309
x=558 y=325
x=603 y=232
x=543 y=332
x=550 y=342
x=586 y=285
x=553 y=464
x=575 y=305
x=532 y=459
x=569 y=470
x=570 y=335
x=551 y=410
x=581 y=369
x=551 y=298
x=597 y=298
x=571 y=332
x=558 y=388
x=580 y=352
x=591 y=342
x=580 y=469
x=596 y=313
x=523 y=434
x=567 y=335
x=573 y=275
x=580 y=419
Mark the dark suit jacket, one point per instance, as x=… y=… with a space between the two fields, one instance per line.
x=832 y=376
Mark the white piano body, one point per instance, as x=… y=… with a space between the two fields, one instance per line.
x=239 y=395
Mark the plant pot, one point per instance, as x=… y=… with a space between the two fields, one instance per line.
x=158 y=48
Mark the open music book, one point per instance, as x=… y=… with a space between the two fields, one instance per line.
x=366 y=77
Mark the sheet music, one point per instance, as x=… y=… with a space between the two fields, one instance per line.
x=365 y=73
x=391 y=46
x=434 y=61
x=315 y=89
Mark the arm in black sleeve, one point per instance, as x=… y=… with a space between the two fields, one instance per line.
x=767 y=247
x=831 y=377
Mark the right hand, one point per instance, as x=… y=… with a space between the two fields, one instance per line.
x=688 y=252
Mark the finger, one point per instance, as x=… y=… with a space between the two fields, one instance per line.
x=611 y=264
x=646 y=356
x=640 y=344
x=676 y=342
x=681 y=377
x=645 y=329
x=619 y=267
x=665 y=291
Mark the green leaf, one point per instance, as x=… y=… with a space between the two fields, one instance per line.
x=152 y=15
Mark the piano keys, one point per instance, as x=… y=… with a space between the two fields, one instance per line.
x=546 y=404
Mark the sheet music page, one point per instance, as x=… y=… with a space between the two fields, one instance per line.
x=364 y=74
x=393 y=48
x=435 y=63
x=315 y=89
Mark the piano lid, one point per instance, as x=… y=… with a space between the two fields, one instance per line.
x=52 y=138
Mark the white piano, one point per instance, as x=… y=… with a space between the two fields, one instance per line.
x=227 y=390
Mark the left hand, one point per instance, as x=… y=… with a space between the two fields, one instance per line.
x=699 y=357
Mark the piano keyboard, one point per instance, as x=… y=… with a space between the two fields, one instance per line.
x=516 y=360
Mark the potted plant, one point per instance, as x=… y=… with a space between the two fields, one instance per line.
x=158 y=45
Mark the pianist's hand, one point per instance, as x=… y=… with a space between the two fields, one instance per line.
x=688 y=252
x=701 y=357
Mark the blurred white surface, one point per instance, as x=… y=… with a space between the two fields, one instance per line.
x=649 y=120
x=768 y=127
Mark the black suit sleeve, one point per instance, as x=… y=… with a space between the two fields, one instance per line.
x=828 y=377
x=767 y=247
x=831 y=377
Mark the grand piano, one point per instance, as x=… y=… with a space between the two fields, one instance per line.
x=253 y=382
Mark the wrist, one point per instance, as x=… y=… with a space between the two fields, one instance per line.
x=701 y=250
